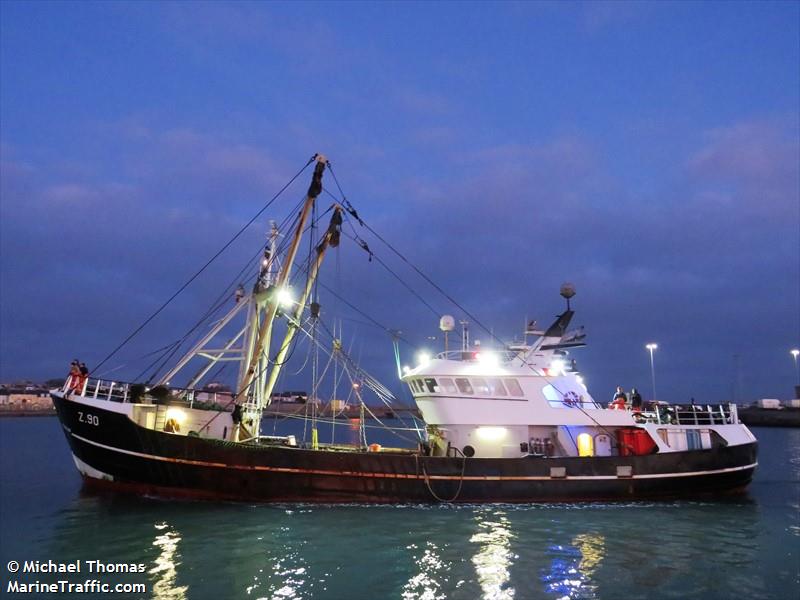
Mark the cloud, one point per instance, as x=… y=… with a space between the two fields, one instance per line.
x=417 y=101
x=498 y=227
x=701 y=253
x=749 y=149
x=598 y=15
x=214 y=30
x=754 y=163
x=85 y=259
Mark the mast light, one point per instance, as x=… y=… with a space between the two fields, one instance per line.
x=487 y=358
x=557 y=367
x=284 y=298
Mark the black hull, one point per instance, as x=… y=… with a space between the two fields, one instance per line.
x=150 y=462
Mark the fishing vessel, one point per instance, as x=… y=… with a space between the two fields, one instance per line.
x=510 y=423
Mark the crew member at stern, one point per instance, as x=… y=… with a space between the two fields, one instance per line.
x=636 y=400
x=620 y=399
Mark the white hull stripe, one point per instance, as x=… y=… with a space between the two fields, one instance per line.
x=202 y=463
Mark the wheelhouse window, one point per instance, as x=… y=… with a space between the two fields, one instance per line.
x=480 y=386
x=464 y=386
x=430 y=383
x=553 y=397
x=496 y=387
x=514 y=390
x=448 y=385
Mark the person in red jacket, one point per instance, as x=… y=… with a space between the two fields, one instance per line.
x=84 y=376
x=74 y=377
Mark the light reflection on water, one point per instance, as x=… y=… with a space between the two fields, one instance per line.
x=572 y=567
x=494 y=557
x=430 y=553
x=165 y=569
x=428 y=582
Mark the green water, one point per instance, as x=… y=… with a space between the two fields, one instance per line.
x=747 y=547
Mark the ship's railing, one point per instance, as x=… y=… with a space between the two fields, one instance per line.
x=664 y=414
x=99 y=389
x=116 y=391
x=499 y=356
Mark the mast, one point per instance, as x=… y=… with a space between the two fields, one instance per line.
x=330 y=239
x=265 y=280
x=265 y=331
x=251 y=398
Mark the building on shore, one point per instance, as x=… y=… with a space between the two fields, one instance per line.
x=27 y=398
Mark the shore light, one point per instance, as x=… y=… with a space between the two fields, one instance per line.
x=795 y=352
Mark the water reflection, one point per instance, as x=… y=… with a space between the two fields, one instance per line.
x=427 y=583
x=572 y=567
x=286 y=576
x=493 y=560
x=165 y=571
x=593 y=549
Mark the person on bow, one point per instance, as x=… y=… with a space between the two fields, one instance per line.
x=74 y=377
x=84 y=370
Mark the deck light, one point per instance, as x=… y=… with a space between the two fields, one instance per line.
x=423 y=358
x=491 y=434
x=284 y=298
x=177 y=414
x=487 y=358
x=585 y=444
x=556 y=367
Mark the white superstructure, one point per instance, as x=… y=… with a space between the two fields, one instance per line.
x=530 y=399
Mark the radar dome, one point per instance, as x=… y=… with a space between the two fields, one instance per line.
x=447 y=323
x=567 y=290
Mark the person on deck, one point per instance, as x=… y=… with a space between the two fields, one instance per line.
x=620 y=399
x=84 y=375
x=74 y=377
x=636 y=400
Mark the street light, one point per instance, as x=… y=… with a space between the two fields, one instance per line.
x=794 y=352
x=652 y=347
